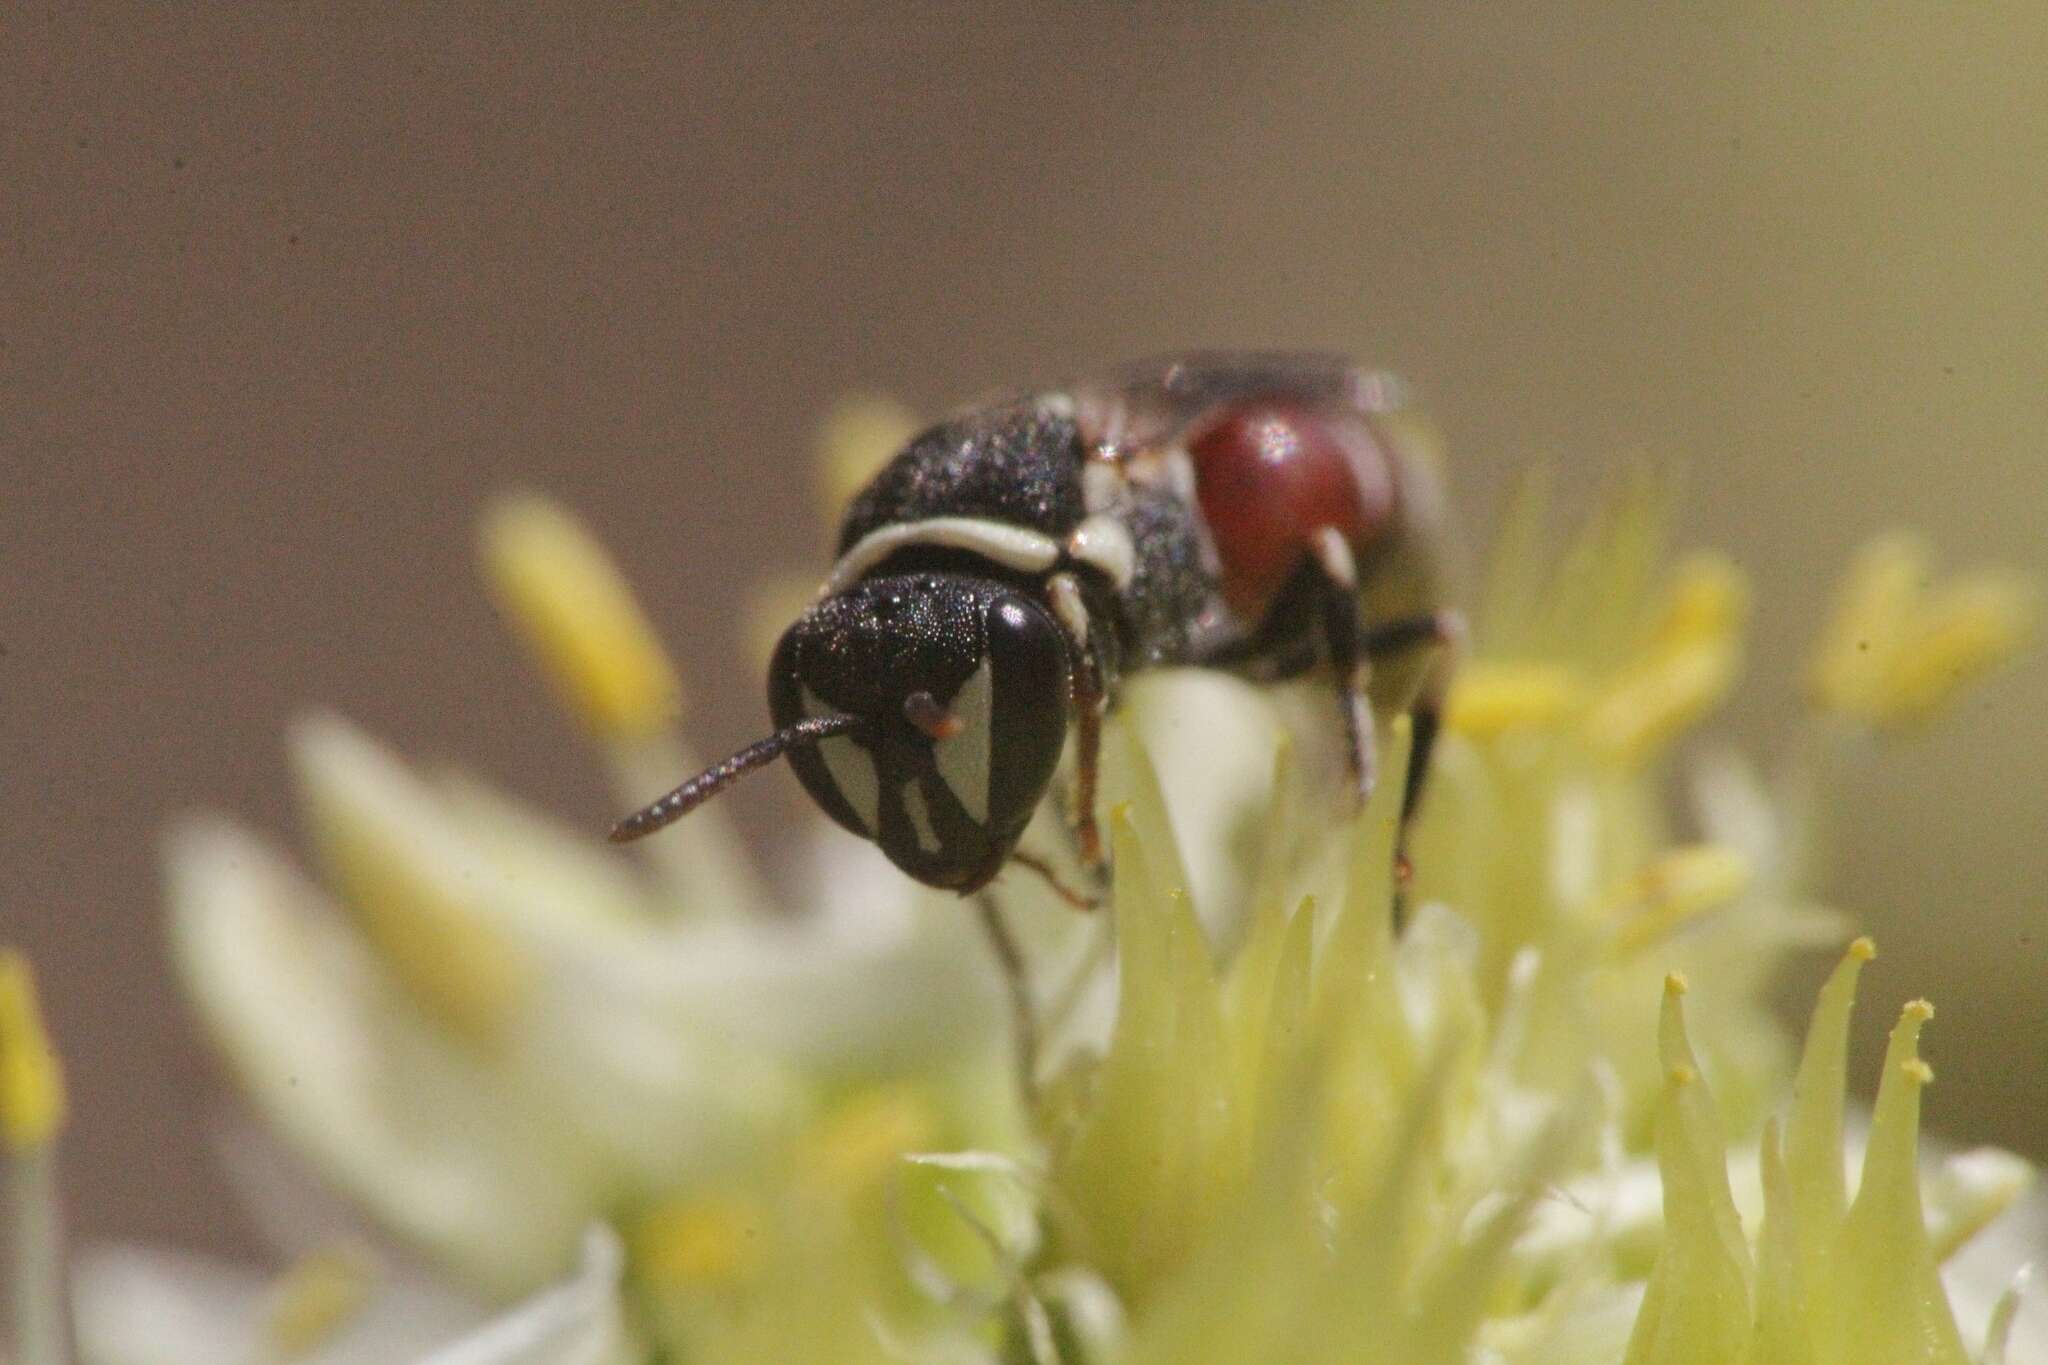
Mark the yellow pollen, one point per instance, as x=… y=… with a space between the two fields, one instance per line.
x=857 y=438
x=686 y=1244
x=1676 y=984
x=1863 y=949
x=1917 y=1071
x=858 y=1143
x=567 y=599
x=31 y=1081
x=1922 y=1010
x=1490 y=698
x=315 y=1299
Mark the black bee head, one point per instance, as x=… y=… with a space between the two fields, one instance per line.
x=958 y=690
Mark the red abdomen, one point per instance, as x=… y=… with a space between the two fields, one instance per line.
x=1269 y=473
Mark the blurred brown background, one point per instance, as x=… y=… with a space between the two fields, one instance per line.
x=283 y=297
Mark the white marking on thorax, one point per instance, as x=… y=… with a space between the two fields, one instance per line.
x=1377 y=391
x=1180 y=473
x=1067 y=605
x=851 y=768
x=1013 y=547
x=963 y=760
x=1105 y=542
x=1333 y=552
x=1102 y=485
x=920 y=818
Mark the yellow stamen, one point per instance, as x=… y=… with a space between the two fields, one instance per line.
x=859 y=1142
x=1694 y=653
x=1676 y=888
x=1696 y=1306
x=316 y=1298
x=697 y=1244
x=1957 y=635
x=569 y=602
x=31 y=1081
x=1876 y=598
x=1707 y=602
x=1490 y=698
x=857 y=438
x=1896 y=651
x=1885 y=1285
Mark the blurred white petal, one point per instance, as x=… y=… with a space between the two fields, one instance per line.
x=1978 y=1275
x=395 y=1114
x=578 y=1322
x=136 y=1306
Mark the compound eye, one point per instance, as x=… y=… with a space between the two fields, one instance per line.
x=1022 y=684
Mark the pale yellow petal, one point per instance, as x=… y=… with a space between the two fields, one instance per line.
x=420 y=892
x=1886 y=1302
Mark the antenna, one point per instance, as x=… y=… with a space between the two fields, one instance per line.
x=717 y=778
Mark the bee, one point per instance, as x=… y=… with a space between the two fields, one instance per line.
x=1272 y=514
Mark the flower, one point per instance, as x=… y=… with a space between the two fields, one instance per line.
x=1337 y=1144
x=490 y=1033
x=582 y=1106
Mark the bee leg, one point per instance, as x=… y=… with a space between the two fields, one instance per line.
x=1350 y=660
x=1085 y=686
x=1017 y=983
x=1443 y=632
x=1079 y=900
